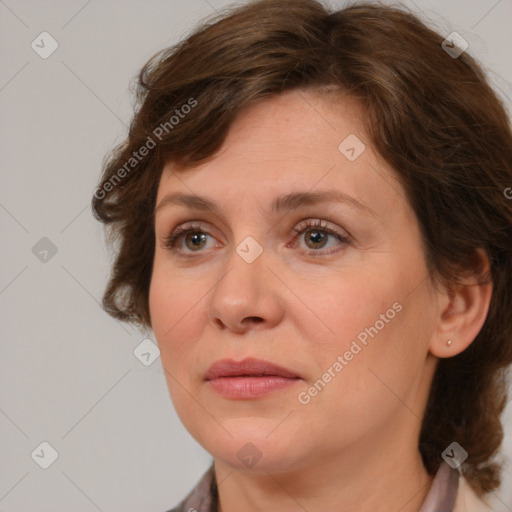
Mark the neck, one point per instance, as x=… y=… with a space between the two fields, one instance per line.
x=363 y=478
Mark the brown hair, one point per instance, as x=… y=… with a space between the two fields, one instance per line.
x=431 y=116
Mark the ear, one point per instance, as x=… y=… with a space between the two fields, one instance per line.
x=462 y=312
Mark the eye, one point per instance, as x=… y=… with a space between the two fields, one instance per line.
x=317 y=236
x=195 y=238
x=193 y=235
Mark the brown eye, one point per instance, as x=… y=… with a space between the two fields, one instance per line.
x=188 y=238
x=316 y=235
x=195 y=240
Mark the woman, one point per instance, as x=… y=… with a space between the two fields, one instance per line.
x=312 y=217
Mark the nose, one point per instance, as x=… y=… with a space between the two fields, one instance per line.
x=246 y=296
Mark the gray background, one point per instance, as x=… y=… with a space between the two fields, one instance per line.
x=68 y=374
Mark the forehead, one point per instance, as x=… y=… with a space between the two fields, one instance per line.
x=290 y=142
x=302 y=125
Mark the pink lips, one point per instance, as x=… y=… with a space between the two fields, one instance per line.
x=248 y=379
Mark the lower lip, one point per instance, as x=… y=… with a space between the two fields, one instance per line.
x=249 y=387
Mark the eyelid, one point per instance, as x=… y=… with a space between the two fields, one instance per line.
x=320 y=224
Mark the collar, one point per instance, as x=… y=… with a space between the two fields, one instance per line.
x=443 y=492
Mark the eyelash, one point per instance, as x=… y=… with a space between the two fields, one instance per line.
x=170 y=240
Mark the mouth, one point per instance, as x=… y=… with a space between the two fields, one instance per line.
x=249 y=367
x=248 y=379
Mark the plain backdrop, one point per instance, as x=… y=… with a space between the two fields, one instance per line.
x=68 y=373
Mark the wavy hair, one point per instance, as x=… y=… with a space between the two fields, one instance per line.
x=432 y=116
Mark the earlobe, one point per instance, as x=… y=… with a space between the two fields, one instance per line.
x=464 y=311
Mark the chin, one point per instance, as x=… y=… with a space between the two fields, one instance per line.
x=254 y=450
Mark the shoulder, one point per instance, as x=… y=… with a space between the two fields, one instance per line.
x=468 y=501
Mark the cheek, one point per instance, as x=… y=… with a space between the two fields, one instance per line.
x=173 y=307
x=343 y=305
x=161 y=303
x=174 y=313
x=372 y=321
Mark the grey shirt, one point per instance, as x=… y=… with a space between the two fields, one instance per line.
x=440 y=498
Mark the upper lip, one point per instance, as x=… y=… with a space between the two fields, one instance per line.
x=247 y=367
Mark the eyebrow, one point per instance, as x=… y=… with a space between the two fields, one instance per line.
x=286 y=202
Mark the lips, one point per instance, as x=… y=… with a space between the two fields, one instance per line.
x=249 y=367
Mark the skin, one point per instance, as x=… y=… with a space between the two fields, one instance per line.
x=354 y=445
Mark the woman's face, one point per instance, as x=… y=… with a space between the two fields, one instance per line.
x=346 y=307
